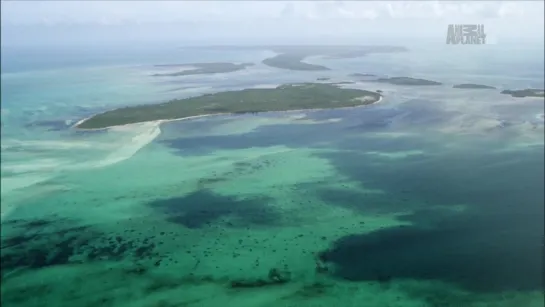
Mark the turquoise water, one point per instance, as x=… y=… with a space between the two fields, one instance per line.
x=433 y=197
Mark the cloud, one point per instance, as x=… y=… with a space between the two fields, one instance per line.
x=177 y=20
x=510 y=9
x=23 y=12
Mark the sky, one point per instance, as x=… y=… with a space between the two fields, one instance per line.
x=261 y=22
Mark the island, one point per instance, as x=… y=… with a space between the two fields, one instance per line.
x=406 y=81
x=343 y=82
x=287 y=97
x=292 y=61
x=202 y=68
x=291 y=57
x=473 y=86
x=362 y=75
x=529 y=92
x=323 y=79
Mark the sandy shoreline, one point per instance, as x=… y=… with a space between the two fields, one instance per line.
x=159 y=122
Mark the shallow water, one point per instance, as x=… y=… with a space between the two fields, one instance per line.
x=433 y=197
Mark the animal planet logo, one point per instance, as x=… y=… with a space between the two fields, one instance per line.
x=466 y=34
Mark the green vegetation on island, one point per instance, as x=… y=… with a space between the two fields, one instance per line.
x=291 y=57
x=362 y=75
x=342 y=82
x=282 y=98
x=406 y=81
x=529 y=92
x=202 y=68
x=292 y=61
x=473 y=86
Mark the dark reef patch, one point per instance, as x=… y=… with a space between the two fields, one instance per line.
x=36 y=244
x=422 y=113
x=374 y=118
x=313 y=290
x=240 y=168
x=201 y=208
x=480 y=179
x=194 y=126
x=266 y=136
x=494 y=244
x=476 y=259
x=275 y=277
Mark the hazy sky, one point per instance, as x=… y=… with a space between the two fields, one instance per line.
x=221 y=22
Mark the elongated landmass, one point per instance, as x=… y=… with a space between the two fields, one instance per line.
x=529 y=92
x=342 y=82
x=406 y=81
x=344 y=51
x=473 y=86
x=286 y=97
x=362 y=75
x=202 y=68
x=291 y=57
x=292 y=62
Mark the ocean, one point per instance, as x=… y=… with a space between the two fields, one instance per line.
x=432 y=197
